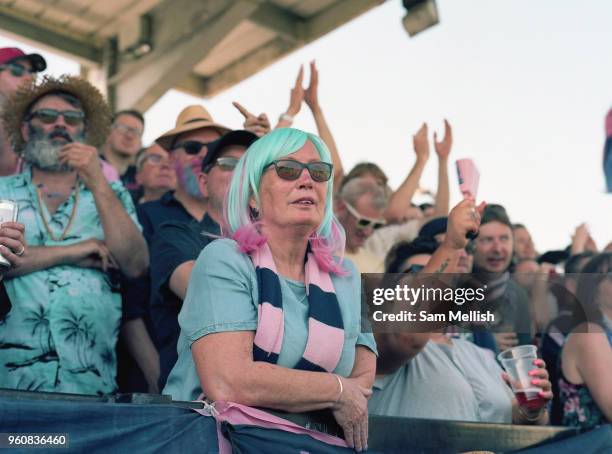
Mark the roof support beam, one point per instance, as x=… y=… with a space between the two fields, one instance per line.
x=282 y=22
x=294 y=33
x=128 y=15
x=336 y=15
x=236 y=72
x=139 y=84
x=85 y=51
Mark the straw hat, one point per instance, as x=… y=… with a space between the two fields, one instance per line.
x=97 y=112
x=191 y=118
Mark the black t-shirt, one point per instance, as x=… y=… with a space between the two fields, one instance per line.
x=153 y=214
x=135 y=293
x=173 y=244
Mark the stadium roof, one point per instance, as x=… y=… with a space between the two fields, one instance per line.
x=139 y=49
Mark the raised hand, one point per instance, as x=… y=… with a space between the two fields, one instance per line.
x=582 y=240
x=297 y=94
x=591 y=246
x=421 y=143
x=443 y=148
x=463 y=218
x=259 y=125
x=311 y=95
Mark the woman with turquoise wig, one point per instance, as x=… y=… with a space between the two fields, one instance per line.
x=272 y=313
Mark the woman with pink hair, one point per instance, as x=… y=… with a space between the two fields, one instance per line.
x=272 y=315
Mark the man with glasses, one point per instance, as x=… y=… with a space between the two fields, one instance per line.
x=176 y=245
x=360 y=208
x=123 y=144
x=187 y=144
x=16 y=69
x=62 y=327
x=154 y=174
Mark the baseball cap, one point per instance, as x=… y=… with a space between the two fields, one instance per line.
x=9 y=54
x=239 y=137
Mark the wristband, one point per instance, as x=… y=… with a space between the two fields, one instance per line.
x=286 y=117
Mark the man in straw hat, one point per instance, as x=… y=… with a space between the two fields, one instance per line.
x=188 y=143
x=62 y=329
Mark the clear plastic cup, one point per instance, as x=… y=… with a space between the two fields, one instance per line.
x=518 y=362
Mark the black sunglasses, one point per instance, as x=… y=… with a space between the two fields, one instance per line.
x=288 y=169
x=50 y=116
x=192 y=147
x=17 y=69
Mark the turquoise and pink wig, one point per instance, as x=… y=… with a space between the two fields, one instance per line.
x=327 y=243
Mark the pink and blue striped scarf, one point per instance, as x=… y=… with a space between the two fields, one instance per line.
x=325 y=325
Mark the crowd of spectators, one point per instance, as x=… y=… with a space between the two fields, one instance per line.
x=224 y=263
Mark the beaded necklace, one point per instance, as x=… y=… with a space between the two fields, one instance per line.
x=44 y=219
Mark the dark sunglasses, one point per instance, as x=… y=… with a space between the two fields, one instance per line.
x=362 y=221
x=192 y=147
x=50 y=116
x=288 y=169
x=17 y=69
x=226 y=163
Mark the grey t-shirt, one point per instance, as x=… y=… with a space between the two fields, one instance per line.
x=429 y=386
x=482 y=372
x=461 y=383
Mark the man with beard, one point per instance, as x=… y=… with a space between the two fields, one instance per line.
x=176 y=245
x=16 y=69
x=61 y=331
x=493 y=251
x=187 y=144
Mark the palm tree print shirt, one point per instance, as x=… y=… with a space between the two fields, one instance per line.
x=61 y=331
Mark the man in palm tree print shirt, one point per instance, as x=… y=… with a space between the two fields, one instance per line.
x=61 y=330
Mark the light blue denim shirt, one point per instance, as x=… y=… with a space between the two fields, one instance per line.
x=222 y=296
x=61 y=332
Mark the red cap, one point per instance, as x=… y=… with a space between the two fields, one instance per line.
x=9 y=54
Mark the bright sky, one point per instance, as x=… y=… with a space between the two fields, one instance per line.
x=525 y=84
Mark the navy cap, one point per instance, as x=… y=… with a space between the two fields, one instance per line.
x=238 y=137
